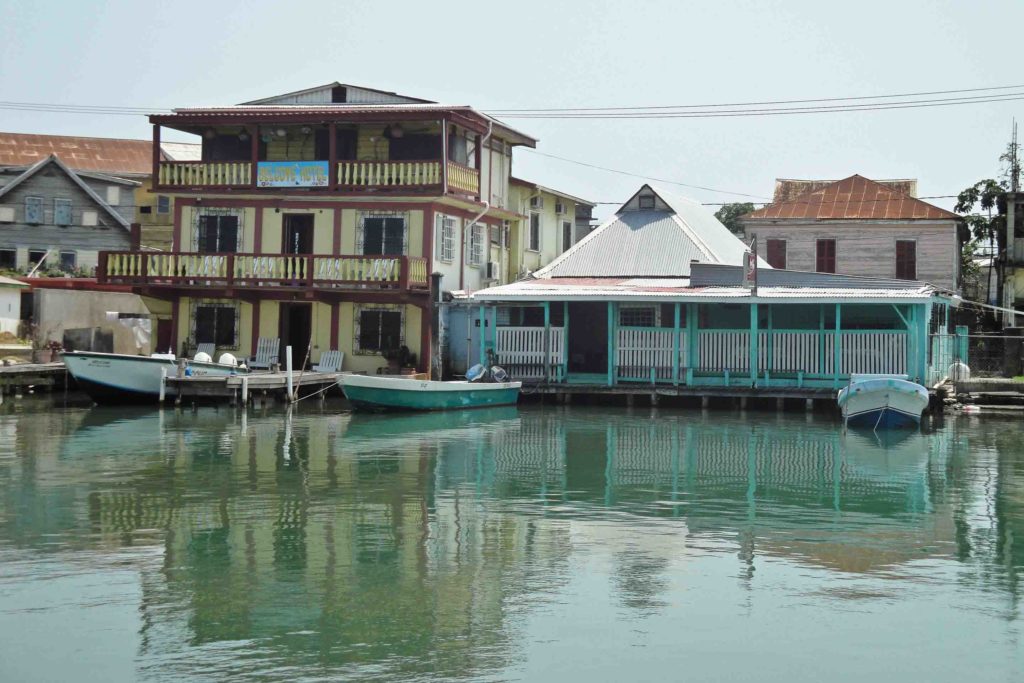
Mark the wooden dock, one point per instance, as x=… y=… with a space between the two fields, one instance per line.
x=256 y=386
x=16 y=378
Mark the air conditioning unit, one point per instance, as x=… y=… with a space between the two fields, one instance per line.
x=493 y=270
x=537 y=202
x=559 y=208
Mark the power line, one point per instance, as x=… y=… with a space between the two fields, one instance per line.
x=752 y=104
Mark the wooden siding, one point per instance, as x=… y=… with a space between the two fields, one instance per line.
x=51 y=183
x=868 y=249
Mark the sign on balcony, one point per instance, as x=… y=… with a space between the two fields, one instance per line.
x=293 y=174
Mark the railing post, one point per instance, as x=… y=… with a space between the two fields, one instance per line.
x=231 y=269
x=565 y=340
x=143 y=266
x=403 y=275
x=101 y=268
x=837 y=348
x=308 y=260
x=692 y=339
x=332 y=155
x=752 y=345
x=547 y=341
x=675 y=346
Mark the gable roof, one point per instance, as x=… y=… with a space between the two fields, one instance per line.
x=112 y=156
x=649 y=243
x=54 y=159
x=853 y=198
x=792 y=188
x=378 y=96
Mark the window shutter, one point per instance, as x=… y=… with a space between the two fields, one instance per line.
x=390 y=330
x=373 y=236
x=393 y=236
x=206 y=322
x=34 y=210
x=227 y=234
x=369 y=330
x=776 y=255
x=906 y=259
x=62 y=211
x=225 y=325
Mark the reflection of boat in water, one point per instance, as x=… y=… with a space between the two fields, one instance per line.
x=389 y=393
x=388 y=430
x=123 y=378
x=882 y=401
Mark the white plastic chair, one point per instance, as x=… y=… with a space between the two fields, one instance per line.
x=330 y=361
x=268 y=350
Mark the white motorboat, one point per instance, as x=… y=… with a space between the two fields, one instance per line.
x=882 y=401
x=122 y=378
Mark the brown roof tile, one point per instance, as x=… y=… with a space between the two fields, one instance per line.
x=101 y=155
x=853 y=198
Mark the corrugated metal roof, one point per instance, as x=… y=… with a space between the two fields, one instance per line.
x=617 y=289
x=113 y=156
x=853 y=198
x=791 y=188
x=720 y=275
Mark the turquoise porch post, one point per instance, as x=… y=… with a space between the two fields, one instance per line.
x=483 y=331
x=565 y=340
x=961 y=343
x=925 y=316
x=821 y=338
x=837 y=348
x=692 y=321
x=770 y=346
x=611 y=343
x=675 y=347
x=547 y=341
x=494 y=332
x=753 y=344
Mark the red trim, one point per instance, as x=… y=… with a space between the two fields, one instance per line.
x=176 y=234
x=336 y=244
x=332 y=155
x=223 y=202
x=86 y=284
x=335 y=324
x=254 y=333
x=254 y=156
x=425 y=340
x=156 y=154
x=257 y=232
x=428 y=238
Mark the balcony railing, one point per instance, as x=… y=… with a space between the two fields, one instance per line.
x=205 y=173
x=351 y=175
x=257 y=270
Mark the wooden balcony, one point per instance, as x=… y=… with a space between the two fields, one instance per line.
x=192 y=269
x=351 y=176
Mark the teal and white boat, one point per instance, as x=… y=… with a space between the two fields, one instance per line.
x=367 y=392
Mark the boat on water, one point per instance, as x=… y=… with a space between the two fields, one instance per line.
x=882 y=401
x=123 y=378
x=368 y=392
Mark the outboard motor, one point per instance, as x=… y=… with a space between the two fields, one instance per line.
x=498 y=374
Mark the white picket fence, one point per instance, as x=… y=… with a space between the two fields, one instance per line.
x=639 y=351
x=875 y=352
x=723 y=350
x=520 y=350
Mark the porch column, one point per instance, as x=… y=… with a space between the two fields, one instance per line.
x=925 y=313
x=156 y=156
x=254 y=333
x=692 y=352
x=611 y=343
x=494 y=332
x=565 y=340
x=753 y=343
x=332 y=155
x=770 y=345
x=483 y=329
x=444 y=156
x=821 y=339
x=254 y=155
x=837 y=348
x=547 y=341
x=675 y=347
x=426 y=345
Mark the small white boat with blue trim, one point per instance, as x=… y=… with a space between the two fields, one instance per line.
x=374 y=393
x=882 y=401
x=123 y=378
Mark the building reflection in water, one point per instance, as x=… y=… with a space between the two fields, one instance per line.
x=407 y=542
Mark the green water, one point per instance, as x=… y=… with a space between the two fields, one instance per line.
x=538 y=544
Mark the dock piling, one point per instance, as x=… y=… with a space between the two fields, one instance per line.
x=163 y=384
x=288 y=370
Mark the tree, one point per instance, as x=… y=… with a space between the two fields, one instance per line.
x=729 y=215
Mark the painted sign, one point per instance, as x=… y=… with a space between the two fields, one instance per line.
x=292 y=174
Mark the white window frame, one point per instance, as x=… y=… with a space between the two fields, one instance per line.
x=74 y=256
x=447 y=227
x=90 y=218
x=113 y=195
x=530 y=246
x=634 y=308
x=569 y=225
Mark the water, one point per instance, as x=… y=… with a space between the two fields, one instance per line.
x=544 y=544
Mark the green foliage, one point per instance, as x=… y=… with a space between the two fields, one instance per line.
x=729 y=216
x=983 y=207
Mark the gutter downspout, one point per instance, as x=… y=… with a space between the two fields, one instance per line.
x=487 y=207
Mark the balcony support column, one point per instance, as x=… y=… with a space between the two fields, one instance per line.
x=156 y=155
x=332 y=155
x=444 y=157
x=255 y=333
x=335 y=324
x=254 y=154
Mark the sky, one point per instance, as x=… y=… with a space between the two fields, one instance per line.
x=538 y=53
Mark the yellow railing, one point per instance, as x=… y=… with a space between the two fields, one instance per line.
x=388 y=173
x=205 y=173
x=463 y=178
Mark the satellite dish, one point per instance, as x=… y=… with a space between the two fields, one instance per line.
x=475 y=372
x=498 y=374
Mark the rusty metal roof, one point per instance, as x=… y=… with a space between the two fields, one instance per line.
x=853 y=198
x=114 y=156
x=791 y=188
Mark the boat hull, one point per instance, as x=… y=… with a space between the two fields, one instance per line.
x=112 y=378
x=386 y=393
x=883 y=403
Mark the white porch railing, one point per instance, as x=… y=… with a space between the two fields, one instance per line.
x=789 y=352
x=723 y=350
x=520 y=350
x=639 y=352
x=873 y=352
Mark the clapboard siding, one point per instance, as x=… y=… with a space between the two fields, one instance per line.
x=51 y=183
x=868 y=249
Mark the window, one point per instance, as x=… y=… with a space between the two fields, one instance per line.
x=90 y=218
x=566 y=235
x=62 y=211
x=380 y=330
x=383 y=235
x=447 y=250
x=458 y=149
x=906 y=259
x=68 y=261
x=218 y=234
x=36 y=255
x=638 y=316
x=8 y=259
x=495 y=231
x=216 y=324
x=163 y=204
x=776 y=256
x=475 y=253
x=534 y=244
x=34 y=210
x=645 y=201
x=6 y=214
x=826 y=256
x=113 y=195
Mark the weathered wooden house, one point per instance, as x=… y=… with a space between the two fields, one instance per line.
x=54 y=217
x=857 y=226
x=318 y=217
x=655 y=297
